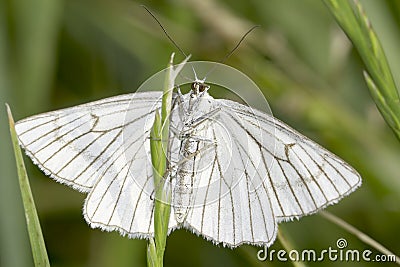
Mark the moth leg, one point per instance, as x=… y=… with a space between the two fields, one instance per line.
x=198 y=121
x=169 y=174
x=184 y=135
x=195 y=123
x=202 y=138
x=192 y=155
x=166 y=180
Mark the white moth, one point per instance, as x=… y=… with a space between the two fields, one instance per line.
x=241 y=171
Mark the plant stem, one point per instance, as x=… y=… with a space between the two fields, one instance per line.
x=159 y=140
x=362 y=236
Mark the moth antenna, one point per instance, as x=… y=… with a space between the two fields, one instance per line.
x=233 y=49
x=164 y=30
x=239 y=43
x=168 y=36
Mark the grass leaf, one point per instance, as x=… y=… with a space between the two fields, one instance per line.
x=32 y=221
x=354 y=22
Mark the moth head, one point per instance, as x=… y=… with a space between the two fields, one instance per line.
x=199 y=87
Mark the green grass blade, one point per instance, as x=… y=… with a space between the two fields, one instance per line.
x=158 y=146
x=362 y=236
x=159 y=139
x=156 y=247
x=287 y=244
x=354 y=22
x=151 y=253
x=32 y=220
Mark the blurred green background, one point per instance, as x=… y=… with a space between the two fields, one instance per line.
x=56 y=54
